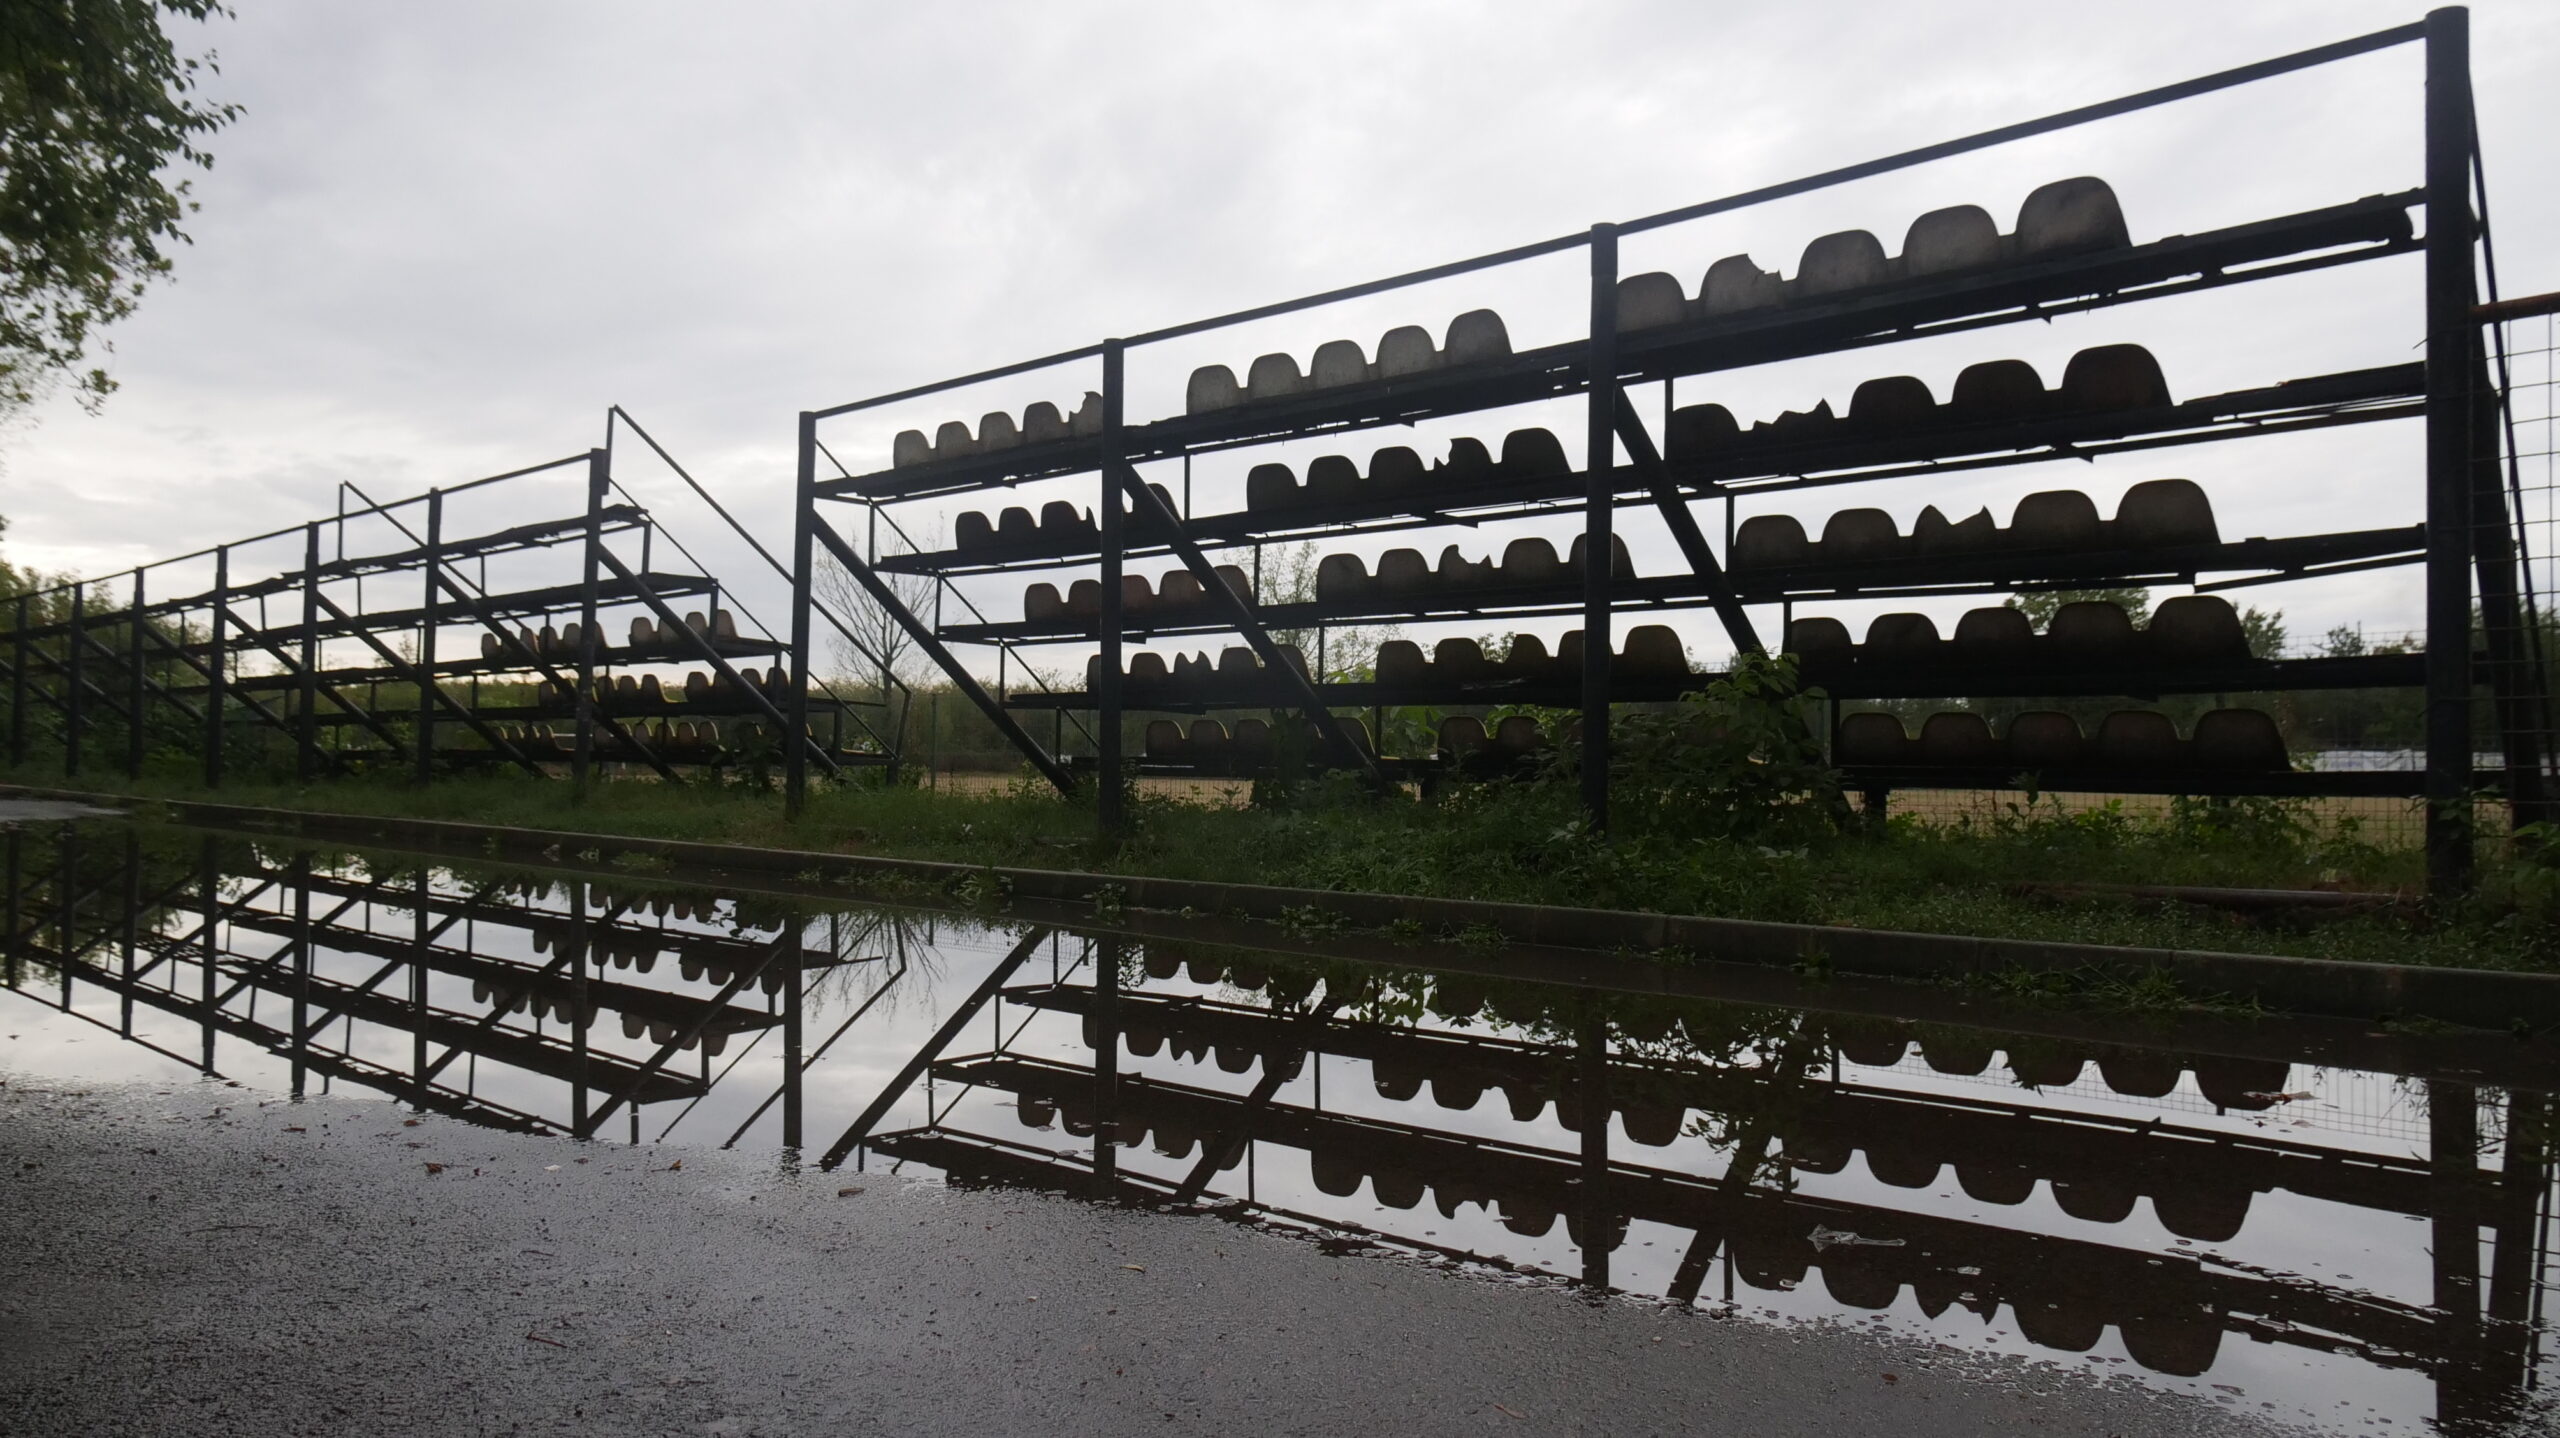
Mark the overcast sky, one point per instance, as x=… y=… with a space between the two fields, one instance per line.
x=443 y=238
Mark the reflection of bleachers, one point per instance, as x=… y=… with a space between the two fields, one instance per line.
x=549 y=1055
x=504 y=984
x=2200 y=1182
x=2170 y=1311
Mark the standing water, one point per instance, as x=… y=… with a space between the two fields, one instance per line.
x=2309 y=1220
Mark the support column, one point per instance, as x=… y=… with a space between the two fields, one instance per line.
x=421 y=938
x=1600 y=459
x=299 y=875
x=209 y=953
x=2450 y=340
x=795 y=765
x=132 y=940
x=18 y=687
x=72 y=706
x=2453 y=1160
x=10 y=964
x=1107 y=686
x=134 y=695
x=218 y=679
x=575 y=942
x=598 y=476
x=794 y=1040
x=1106 y=1066
x=1599 y=1226
x=307 y=722
x=427 y=638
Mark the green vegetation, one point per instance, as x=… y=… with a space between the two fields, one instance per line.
x=96 y=110
x=1722 y=810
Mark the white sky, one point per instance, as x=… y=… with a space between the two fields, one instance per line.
x=443 y=239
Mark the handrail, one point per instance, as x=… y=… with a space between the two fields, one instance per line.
x=617 y=411
x=372 y=507
x=981 y=377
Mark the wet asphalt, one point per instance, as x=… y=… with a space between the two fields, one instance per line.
x=200 y=1259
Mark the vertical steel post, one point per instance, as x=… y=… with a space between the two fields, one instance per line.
x=18 y=687
x=420 y=941
x=2450 y=343
x=2453 y=1162
x=794 y=1060
x=1107 y=686
x=9 y=911
x=1600 y=459
x=301 y=880
x=218 y=656
x=575 y=944
x=1106 y=1065
x=74 y=709
x=66 y=903
x=209 y=956
x=132 y=926
x=598 y=477
x=795 y=764
x=427 y=687
x=134 y=694
x=1599 y=1225
x=307 y=723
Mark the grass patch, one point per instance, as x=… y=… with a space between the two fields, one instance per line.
x=1522 y=843
x=1722 y=808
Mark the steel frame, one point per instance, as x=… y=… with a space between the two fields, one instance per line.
x=2451 y=391
x=196 y=667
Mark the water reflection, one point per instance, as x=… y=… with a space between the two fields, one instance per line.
x=2288 y=1231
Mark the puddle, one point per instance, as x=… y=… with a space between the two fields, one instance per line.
x=2317 y=1222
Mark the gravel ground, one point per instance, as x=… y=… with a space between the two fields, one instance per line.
x=199 y=1259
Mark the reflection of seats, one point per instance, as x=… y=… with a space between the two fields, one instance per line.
x=2065 y=1326
x=2206 y=1213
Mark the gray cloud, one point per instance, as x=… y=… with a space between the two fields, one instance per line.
x=444 y=238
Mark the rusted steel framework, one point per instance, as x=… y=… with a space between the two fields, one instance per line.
x=410 y=634
x=2070 y=253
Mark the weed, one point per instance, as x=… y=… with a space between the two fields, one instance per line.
x=1310 y=921
x=984 y=890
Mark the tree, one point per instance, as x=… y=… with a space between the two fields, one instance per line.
x=2041 y=607
x=880 y=658
x=2264 y=627
x=96 y=108
x=873 y=627
x=1350 y=652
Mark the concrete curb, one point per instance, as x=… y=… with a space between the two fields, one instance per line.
x=2480 y=998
